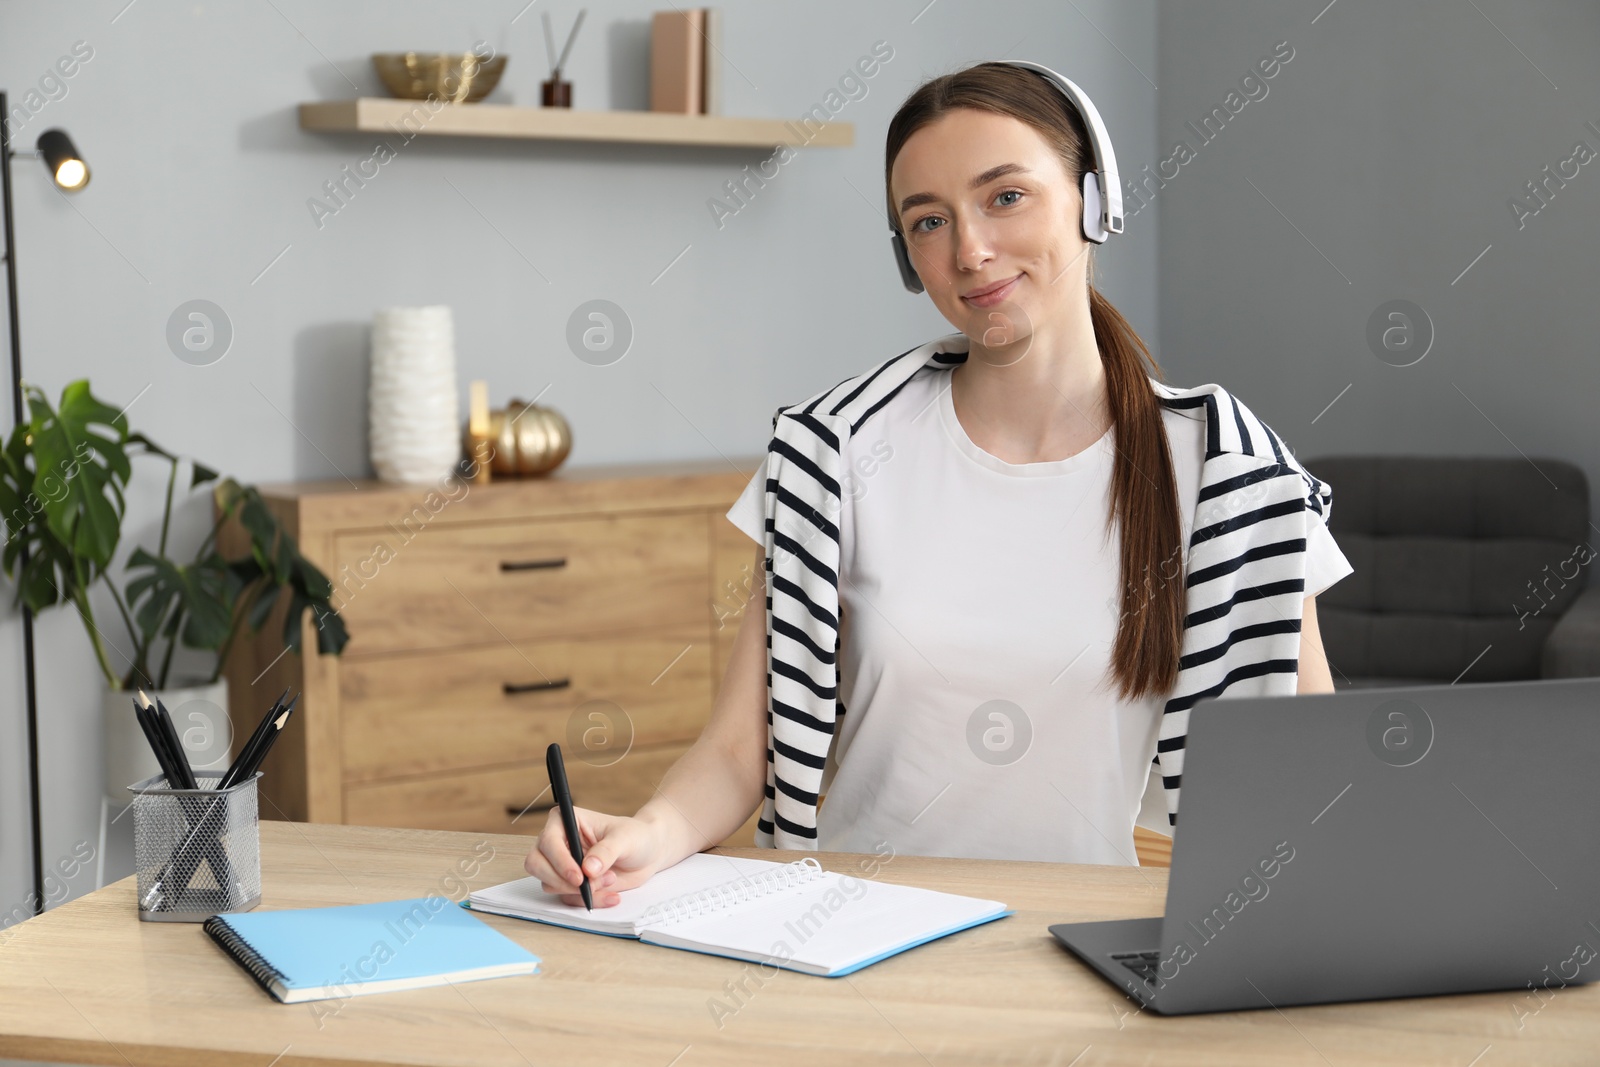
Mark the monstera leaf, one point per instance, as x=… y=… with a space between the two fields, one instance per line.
x=91 y=468
x=276 y=568
x=193 y=603
x=61 y=492
x=63 y=475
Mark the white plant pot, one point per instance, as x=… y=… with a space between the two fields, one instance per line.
x=200 y=717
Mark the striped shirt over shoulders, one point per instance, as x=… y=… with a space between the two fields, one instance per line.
x=1246 y=580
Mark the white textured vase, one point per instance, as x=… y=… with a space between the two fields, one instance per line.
x=412 y=405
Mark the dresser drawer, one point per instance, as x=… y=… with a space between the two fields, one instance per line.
x=404 y=715
x=444 y=586
x=493 y=800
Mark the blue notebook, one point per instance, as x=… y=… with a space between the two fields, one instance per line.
x=321 y=953
x=791 y=915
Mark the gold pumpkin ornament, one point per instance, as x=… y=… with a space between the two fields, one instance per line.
x=528 y=439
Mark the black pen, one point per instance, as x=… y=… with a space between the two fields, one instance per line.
x=569 y=817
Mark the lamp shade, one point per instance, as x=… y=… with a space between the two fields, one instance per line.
x=67 y=168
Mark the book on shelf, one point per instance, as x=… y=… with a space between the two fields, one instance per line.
x=685 y=61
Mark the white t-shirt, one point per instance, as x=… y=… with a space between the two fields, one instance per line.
x=978 y=607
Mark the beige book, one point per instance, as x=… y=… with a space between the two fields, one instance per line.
x=677 y=59
x=712 y=96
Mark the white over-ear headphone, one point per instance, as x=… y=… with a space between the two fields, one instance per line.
x=1102 y=187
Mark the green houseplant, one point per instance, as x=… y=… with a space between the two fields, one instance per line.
x=64 y=474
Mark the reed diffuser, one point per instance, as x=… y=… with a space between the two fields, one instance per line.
x=558 y=93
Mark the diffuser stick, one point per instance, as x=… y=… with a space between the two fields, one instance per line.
x=573 y=36
x=549 y=43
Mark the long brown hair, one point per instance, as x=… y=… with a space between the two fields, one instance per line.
x=1144 y=490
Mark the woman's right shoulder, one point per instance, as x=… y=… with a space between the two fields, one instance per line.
x=862 y=389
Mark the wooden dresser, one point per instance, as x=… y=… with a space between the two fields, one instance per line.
x=594 y=607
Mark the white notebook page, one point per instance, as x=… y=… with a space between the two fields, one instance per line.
x=825 y=925
x=524 y=898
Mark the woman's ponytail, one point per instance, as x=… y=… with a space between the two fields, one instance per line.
x=1144 y=658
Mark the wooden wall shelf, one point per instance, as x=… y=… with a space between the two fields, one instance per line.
x=381 y=115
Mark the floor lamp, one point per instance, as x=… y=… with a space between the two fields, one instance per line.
x=70 y=173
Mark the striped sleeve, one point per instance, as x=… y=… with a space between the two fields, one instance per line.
x=802 y=504
x=1246 y=583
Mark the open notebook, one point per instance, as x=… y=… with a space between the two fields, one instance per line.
x=792 y=915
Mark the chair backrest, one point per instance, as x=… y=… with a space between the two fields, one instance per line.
x=1452 y=555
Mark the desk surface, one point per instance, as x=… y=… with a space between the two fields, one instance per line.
x=88 y=983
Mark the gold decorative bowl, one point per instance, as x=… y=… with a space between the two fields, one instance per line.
x=454 y=77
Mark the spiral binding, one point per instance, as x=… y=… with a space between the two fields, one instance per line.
x=725 y=895
x=245 y=953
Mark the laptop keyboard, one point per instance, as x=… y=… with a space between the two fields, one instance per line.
x=1142 y=964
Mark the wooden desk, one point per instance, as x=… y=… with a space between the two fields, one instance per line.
x=88 y=983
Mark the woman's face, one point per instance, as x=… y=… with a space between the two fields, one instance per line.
x=984 y=200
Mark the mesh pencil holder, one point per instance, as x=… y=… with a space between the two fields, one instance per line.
x=196 y=851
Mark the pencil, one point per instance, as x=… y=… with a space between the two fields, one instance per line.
x=179 y=757
x=232 y=775
x=269 y=740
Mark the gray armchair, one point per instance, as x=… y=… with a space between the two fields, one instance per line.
x=1474 y=568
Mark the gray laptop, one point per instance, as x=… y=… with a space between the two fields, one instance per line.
x=1374 y=843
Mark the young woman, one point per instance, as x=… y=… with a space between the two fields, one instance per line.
x=1025 y=540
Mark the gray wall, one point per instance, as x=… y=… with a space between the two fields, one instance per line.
x=1389 y=148
x=201 y=179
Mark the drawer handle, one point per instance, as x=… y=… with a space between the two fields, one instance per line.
x=514 y=810
x=508 y=565
x=512 y=688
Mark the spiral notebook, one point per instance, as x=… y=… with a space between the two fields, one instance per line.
x=792 y=915
x=303 y=954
